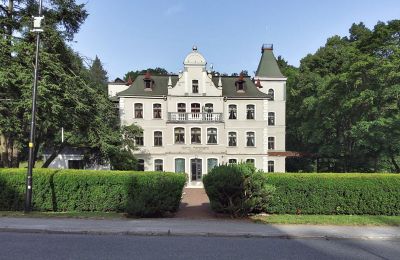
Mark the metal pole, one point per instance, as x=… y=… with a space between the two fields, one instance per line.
x=31 y=159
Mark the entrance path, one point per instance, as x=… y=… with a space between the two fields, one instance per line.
x=195 y=205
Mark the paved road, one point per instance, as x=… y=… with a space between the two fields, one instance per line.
x=74 y=246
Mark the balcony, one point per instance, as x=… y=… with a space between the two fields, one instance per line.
x=178 y=117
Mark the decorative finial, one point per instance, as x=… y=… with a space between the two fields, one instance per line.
x=258 y=83
x=194 y=48
x=220 y=82
x=169 y=82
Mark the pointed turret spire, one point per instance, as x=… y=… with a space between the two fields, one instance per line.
x=268 y=67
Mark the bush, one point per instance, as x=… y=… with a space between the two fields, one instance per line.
x=335 y=193
x=237 y=189
x=138 y=193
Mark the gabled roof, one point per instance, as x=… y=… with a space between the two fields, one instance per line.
x=268 y=67
x=160 y=87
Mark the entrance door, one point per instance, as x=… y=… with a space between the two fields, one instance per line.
x=195 y=169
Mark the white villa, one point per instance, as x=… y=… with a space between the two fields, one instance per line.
x=196 y=120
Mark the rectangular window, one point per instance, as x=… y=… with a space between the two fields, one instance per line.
x=196 y=135
x=251 y=161
x=156 y=110
x=271 y=166
x=138 y=110
x=250 y=139
x=232 y=139
x=232 y=112
x=232 y=161
x=139 y=140
x=211 y=163
x=180 y=165
x=157 y=138
x=212 y=137
x=195 y=86
x=179 y=135
x=271 y=143
x=271 y=118
x=181 y=108
x=158 y=165
x=250 y=112
x=140 y=165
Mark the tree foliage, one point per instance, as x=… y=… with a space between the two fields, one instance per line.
x=156 y=71
x=344 y=101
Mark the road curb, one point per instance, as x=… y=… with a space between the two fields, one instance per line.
x=197 y=234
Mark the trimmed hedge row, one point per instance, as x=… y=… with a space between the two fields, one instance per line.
x=237 y=189
x=335 y=193
x=137 y=193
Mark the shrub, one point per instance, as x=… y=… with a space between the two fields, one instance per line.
x=335 y=193
x=138 y=193
x=237 y=189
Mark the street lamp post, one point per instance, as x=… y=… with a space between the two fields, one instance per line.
x=36 y=29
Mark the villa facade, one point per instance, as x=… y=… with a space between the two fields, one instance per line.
x=196 y=120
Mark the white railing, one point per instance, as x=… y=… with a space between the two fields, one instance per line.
x=197 y=117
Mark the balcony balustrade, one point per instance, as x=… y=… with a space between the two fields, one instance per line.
x=180 y=117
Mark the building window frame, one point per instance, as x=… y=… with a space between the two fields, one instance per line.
x=232 y=161
x=157 y=111
x=158 y=165
x=271 y=93
x=184 y=164
x=271 y=118
x=179 y=137
x=139 y=139
x=271 y=142
x=250 y=134
x=180 y=108
x=211 y=158
x=248 y=160
x=140 y=165
x=158 y=138
x=250 y=112
x=195 y=86
x=195 y=135
x=212 y=136
x=232 y=111
x=138 y=111
x=235 y=139
x=271 y=166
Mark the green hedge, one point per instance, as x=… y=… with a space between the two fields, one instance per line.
x=237 y=189
x=335 y=193
x=137 y=193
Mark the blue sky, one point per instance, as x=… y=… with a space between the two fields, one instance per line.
x=134 y=35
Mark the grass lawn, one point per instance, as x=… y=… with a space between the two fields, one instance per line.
x=347 y=220
x=86 y=215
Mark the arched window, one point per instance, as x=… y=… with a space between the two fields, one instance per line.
x=158 y=165
x=195 y=108
x=250 y=161
x=250 y=139
x=250 y=111
x=271 y=93
x=196 y=135
x=212 y=137
x=156 y=110
x=179 y=135
x=138 y=110
x=232 y=139
x=208 y=108
x=140 y=165
x=232 y=111
x=181 y=108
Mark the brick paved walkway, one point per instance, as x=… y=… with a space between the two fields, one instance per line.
x=195 y=205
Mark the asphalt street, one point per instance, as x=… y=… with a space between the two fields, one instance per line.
x=80 y=246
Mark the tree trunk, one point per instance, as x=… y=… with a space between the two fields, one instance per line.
x=54 y=154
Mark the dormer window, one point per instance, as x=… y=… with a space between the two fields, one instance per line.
x=240 y=83
x=148 y=82
x=195 y=86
